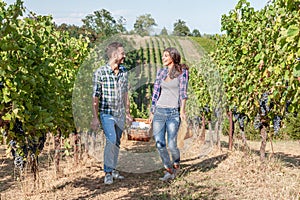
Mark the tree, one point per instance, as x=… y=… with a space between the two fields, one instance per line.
x=164 y=31
x=144 y=24
x=77 y=32
x=180 y=28
x=104 y=24
x=196 y=33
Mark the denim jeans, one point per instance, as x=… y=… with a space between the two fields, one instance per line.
x=113 y=128
x=166 y=120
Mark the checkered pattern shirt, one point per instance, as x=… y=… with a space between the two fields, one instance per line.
x=162 y=75
x=111 y=90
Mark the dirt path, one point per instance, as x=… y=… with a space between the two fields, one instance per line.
x=218 y=175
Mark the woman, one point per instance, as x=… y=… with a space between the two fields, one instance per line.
x=168 y=108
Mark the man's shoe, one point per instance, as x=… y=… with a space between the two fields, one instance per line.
x=167 y=176
x=176 y=169
x=108 y=179
x=116 y=175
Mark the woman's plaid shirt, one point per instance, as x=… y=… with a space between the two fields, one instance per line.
x=111 y=90
x=162 y=75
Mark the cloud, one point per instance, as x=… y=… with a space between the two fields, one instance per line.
x=70 y=18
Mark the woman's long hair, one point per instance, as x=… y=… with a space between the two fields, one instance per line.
x=178 y=67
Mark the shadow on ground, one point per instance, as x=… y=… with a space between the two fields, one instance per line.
x=146 y=185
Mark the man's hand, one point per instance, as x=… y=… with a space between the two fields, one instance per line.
x=95 y=123
x=129 y=119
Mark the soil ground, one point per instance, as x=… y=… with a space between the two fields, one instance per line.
x=221 y=174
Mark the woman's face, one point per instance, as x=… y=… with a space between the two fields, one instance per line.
x=166 y=59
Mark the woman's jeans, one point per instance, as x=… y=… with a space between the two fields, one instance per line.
x=113 y=128
x=167 y=120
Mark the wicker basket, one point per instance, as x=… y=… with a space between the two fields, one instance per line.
x=140 y=134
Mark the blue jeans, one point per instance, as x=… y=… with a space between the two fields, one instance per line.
x=113 y=128
x=167 y=120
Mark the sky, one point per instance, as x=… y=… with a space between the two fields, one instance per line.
x=204 y=15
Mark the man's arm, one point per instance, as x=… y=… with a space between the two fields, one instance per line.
x=95 y=109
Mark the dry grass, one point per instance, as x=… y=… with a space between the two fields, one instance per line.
x=220 y=175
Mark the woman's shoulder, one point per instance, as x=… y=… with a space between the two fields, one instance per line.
x=185 y=72
x=162 y=71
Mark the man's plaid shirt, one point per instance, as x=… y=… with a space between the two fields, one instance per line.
x=111 y=90
x=162 y=75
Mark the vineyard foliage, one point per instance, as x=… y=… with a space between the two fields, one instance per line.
x=46 y=75
x=258 y=58
x=38 y=69
x=209 y=45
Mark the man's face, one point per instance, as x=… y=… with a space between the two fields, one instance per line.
x=120 y=55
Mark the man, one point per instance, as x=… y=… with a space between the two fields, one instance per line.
x=110 y=99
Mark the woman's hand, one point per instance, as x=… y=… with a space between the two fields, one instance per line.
x=182 y=115
x=151 y=118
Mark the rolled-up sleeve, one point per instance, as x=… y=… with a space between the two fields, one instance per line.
x=96 y=84
x=156 y=90
x=184 y=84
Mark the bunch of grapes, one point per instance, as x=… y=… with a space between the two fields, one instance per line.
x=236 y=115
x=217 y=112
x=1 y=85
x=257 y=122
x=241 y=121
x=287 y=104
x=197 y=120
x=18 y=128
x=263 y=104
x=13 y=145
x=206 y=109
x=19 y=162
x=276 y=123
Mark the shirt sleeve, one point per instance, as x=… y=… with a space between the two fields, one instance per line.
x=156 y=90
x=96 y=83
x=184 y=84
x=126 y=80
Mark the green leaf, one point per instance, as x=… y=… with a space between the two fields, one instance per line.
x=296 y=71
x=293 y=31
x=250 y=89
x=286 y=75
x=7 y=117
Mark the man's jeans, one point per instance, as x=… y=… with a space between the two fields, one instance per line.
x=167 y=120
x=113 y=128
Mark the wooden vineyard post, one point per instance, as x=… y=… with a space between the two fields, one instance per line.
x=202 y=137
x=76 y=147
x=57 y=147
x=263 y=134
x=210 y=131
x=218 y=138
x=230 y=131
x=244 y=140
